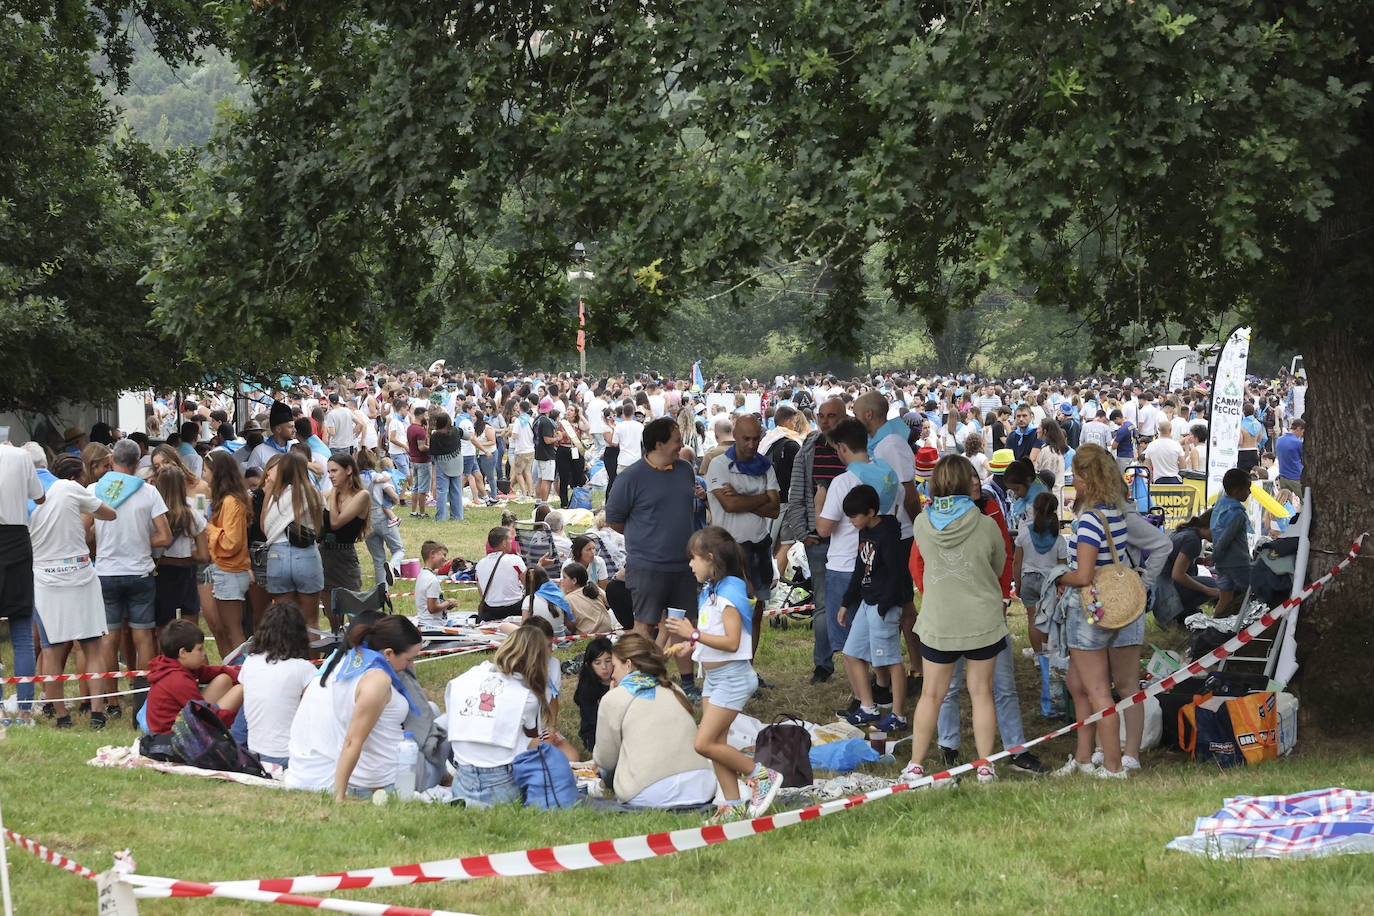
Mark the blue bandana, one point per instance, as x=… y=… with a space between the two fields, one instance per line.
x=879 y=475
x=944 y=510
x=752 y=467
x=116 y=487
x=1043 y=541
x=554 y=595
x=894 y=427
x=640 y=684
x=361 y=660
x=1022 y=504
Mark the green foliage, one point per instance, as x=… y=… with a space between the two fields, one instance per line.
x=74 y=230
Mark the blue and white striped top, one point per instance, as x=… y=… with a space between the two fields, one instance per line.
x=1088 y=530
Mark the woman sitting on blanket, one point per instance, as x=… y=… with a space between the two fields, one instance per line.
x=274 y=675
x=645 y=733
x=346 y=730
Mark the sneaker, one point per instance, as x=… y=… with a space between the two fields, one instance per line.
x=728 y=814
x=1097 y=758
x=692 y=692
x=950 y=755
x=986 y=773
x=392 y=523
x=862 y=717
x=765 y=685
x=63 y=722
x=911 y=772
x=849 y=710
x=97 y=720
x=893 y=723
x=47 y=711
x=820 y=675
x=1028 y=652
x=1028 y=763
x=112 y=711
x=1073 y=768
x=1104 y=773
x=766 y=786
x=882 y=695
x=1129 y=763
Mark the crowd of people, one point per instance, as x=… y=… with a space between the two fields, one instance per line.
x=956 y=488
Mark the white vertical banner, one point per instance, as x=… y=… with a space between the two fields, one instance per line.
x=1228 y=398
x=1177 y=373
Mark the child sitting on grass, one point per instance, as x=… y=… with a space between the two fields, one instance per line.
x=875 y=591
x=431 y=607
x=1230 y=546
x=175 y=678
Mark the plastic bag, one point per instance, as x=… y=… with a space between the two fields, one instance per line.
x=842 y=756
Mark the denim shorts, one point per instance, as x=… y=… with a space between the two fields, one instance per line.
x=469 y=464
x=228 y=586
x=1079 y=634
x=424 y=476
x=731 y=685
x=131 y=598
x=1233 y=578
x=1032 y=587
x=484 y=787
x=366 y=794
x=874 y=638
x=294 y=569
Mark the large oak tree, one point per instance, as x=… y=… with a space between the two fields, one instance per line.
x=1140 y=163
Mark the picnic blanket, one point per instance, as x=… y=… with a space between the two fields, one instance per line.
x=128 y=758
x=1323 y=822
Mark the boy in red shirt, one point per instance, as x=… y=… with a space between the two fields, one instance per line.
x=175 y=678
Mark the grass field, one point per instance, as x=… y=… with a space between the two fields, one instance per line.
x=1022 y=844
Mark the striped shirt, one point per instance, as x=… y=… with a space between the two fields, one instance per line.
x=827 y=465
x=1088 y=530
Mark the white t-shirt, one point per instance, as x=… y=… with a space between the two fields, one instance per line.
x=898 y=454
x=339 y=422
x=844 y=540
x=184 y=542
x=506 y=584
x=122 y=546
x=271 y=694
x=469 y=431
x=658 y=404
x=396 y=431
x=479 y=700
x=1148 y=419
x=1164 y=455
x=522 y=435
x=743 y=526
x=629 y=435
x=596 y=422
x=427 y=586
x=55 y=528
x=19 y=483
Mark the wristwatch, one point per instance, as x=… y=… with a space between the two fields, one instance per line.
x=696 y=635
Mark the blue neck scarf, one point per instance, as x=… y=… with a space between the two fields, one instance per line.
x=640 y=684
x=753 y=467
x=361 y=660
x=1043 y=541
x=879 y=475
x=271 y=442
x=116 y=487
x=1022 y=504
x=894 y=427
x=554 y=595
x=944 y=510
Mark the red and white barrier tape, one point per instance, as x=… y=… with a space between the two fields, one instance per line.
x=575 y=856
x=47 y=855
x=58 y=678
x=170 y=887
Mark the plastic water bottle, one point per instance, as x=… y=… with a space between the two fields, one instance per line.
x=407 y=755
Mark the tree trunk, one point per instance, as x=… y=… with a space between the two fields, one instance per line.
x=1336 y=626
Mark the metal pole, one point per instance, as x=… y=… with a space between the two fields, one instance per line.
x=582 y=325
x=5 y=871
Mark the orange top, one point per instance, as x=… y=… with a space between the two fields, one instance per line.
x=228 y=536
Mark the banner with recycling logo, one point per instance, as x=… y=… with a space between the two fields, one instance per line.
x=1228 y=399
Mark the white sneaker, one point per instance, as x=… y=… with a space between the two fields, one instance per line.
x=1028 y=652
x=1129 y=763
x=1073 y=768
x=1104 y=773
x=1098 y=757
x=912 y=772
x=986 y=773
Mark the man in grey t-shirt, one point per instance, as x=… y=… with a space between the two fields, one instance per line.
x=652 y=505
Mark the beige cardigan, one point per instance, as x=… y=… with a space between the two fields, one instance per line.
x=644 y=740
